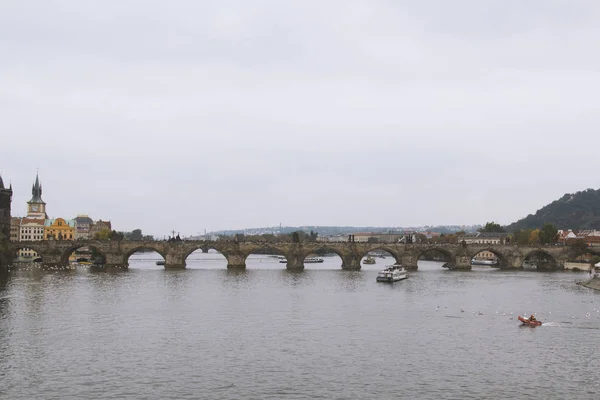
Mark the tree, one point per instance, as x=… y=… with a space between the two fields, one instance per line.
x=104 y=234
x=421 y=238
x=135 y=234
x=492 y=227
x=114 y=235
x=548 y=234
x=579 y=246
x=534 y=237
x=521 y=236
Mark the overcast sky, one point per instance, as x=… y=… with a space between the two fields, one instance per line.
x=193 y=115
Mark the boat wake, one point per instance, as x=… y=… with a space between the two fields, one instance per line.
x=551 y=324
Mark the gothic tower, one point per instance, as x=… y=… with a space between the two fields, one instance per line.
x=5 y=201
x=36 y=208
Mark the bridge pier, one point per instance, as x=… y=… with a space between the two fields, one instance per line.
x=115 y=260
x=295 y=261
x=409 y=261
x=513 y=262
x=351 y=263
x=462 y=262
x=174 y=260
x=53 y=260
x=236 y=260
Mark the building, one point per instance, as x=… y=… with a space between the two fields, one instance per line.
x=485 y=255
x=5 y=202
x=59 y=229
x=590 y=237
x=483 y=238
x=371 y=237
x=15 y=229
x=36 y=208
x=31 y=228
x=83 y=226
x=333 y=238
x=98 y=226
x=565 y=236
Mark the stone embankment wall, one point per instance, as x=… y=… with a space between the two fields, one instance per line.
x=593 y=283
x=4 y=252
x=576 y=266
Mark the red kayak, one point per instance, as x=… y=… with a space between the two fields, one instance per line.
x=527 y=321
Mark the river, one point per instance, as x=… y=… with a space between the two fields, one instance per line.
x=323 y=333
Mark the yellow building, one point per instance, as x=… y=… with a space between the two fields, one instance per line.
x=59 y=229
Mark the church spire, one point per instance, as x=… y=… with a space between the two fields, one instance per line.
x=1 y=183
x=36 y=191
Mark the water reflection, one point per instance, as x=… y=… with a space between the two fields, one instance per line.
x=295 y=278
x=235 y=278
x=353 y=280
x=4 y=277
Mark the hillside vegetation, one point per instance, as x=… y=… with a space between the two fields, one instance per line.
x=577 y=211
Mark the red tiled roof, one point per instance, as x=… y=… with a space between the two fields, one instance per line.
x=32 y=221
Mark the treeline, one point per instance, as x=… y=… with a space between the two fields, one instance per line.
x=576 y=211
x=136 y=234
x=547 y=234
x=305 y=237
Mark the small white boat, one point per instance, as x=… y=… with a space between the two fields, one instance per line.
x=369 y=260
x=392 y=273
x=313 y=260
x=307 y=260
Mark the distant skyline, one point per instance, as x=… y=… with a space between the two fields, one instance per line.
x=193 y=115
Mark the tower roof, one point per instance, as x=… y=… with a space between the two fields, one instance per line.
x=36 y=191
x=1 y=183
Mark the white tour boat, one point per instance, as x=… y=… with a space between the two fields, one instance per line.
x=392 y=273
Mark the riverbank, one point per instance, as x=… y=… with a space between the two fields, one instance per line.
x=593 y=283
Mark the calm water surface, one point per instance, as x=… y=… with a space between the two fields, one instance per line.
x=323 y=333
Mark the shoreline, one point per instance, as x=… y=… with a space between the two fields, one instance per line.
x=593 y=283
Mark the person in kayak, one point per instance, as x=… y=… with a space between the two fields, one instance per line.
x=532 y=318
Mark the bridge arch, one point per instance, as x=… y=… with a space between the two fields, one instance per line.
x=203 y=247
x=447 y=256
x=544 y=261
x=76 y=246
x=489 y=253
x=321 y=251
x=141 y=248
x=397 y=257
x=29 y=249
x=204 y=256
x=135 y=249
x=258 y=256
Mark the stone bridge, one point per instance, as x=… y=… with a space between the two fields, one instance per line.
x=456 y=256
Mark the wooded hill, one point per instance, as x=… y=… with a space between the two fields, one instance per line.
x=576 y=211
